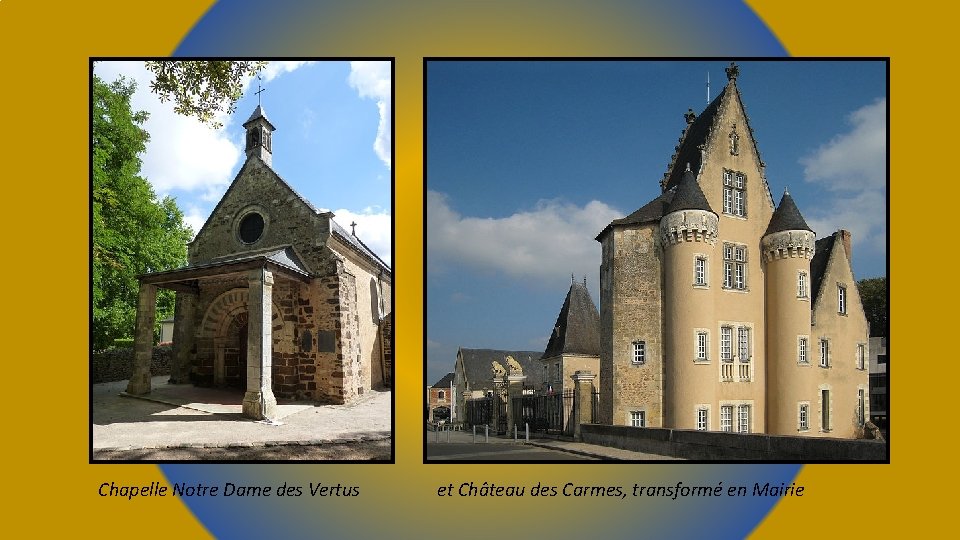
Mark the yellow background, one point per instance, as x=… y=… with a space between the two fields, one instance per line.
x=48 y=484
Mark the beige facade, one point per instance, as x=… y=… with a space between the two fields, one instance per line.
x=709 y=293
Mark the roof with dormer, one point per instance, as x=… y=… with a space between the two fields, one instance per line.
x=577 y=330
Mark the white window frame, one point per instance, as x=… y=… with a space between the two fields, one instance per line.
x=700 y=271
x=743 y=344
x=734 y=193
x=703 y=418
x=861 y=356
x=803 y=350
x=726 y=344
x=639 y=352
x=824 y=353
x=861 y=406
x=841 y=299
x=735 y=258
x=638 y=418
x=701 y=346
x=726 y=418
x=802 y=285
x=803 y=416
x=744 y=417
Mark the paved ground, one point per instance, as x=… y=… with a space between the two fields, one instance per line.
x=459 y=445
x=198 y=421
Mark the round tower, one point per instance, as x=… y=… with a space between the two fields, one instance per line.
x=688 y=233
x=787 y=247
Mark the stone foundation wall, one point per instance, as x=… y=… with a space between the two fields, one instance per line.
x=718 y=446
x=117 y=364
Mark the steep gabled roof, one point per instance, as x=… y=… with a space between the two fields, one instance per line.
x=444 y=382
x=787 y=217
x=358 y=245
x=694 y=136
x=818 y=265
x=478 y=368
x=578 y=325
x=259 y=113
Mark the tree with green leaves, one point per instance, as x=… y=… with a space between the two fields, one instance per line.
x=201 y=89
x=873 y=295
x=133 y=232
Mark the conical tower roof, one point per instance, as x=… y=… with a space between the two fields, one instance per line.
x=689 y=196
x=787 y=217
x=578 y=325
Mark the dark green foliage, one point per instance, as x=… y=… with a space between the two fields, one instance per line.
x=133 y=232
x=201 y=89
x=873 y=295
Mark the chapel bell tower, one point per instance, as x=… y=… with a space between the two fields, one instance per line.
x=259 y=136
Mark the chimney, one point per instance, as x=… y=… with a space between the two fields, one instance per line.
x=845 y=238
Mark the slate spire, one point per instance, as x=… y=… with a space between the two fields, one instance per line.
x=259 y=136
x=689 y=196
x=578 y=325
x=787 y=217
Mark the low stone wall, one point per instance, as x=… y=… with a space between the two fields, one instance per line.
x=117 y=364
x=718 y=446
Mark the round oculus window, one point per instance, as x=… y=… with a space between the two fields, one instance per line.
x=251 y=228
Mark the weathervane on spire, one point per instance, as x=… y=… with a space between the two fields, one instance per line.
x=259 y=88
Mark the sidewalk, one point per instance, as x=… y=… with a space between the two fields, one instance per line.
x=579 y=448
x=185 y=416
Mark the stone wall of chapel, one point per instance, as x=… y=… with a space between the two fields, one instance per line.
x=367 y=316
x=843 y=332
x=287 y=221
x=630 y=310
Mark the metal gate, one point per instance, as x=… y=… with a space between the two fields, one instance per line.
x=550 y=413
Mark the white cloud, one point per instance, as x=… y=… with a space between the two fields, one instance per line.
x=195 y=217
x=852 y=167
x=275 y=69
x=373 y=228
x=543 y=245
x=182 y=152
x=372 y=80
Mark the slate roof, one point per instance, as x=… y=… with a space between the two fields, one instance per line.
x=688 y=195
x=693 y=137
x=285 y=257
x=444 y=382
x=818 y=265
x=578 y=325
x=259 y=113
x=357 y=244
x=787 y=217
x=650 y=212
x=478 y=370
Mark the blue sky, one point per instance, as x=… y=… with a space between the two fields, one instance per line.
x=332 y=142
x=528 y=161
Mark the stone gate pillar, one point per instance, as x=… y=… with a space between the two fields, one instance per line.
x=583 y=400
x=499 y=393
x=143 y=340
x=259 y=402
x=514 y=390
x=184 y=333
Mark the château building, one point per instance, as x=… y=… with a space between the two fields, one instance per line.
x=720 y=310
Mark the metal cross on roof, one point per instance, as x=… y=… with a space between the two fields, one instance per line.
x=353 y=228
x=259 y=89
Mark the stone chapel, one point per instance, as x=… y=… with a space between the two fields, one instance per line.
x=277 y=299
x=720 y=310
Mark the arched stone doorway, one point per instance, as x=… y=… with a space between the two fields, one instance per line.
x=224 y=329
